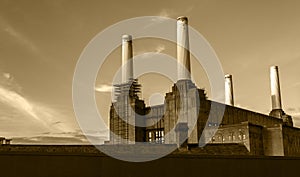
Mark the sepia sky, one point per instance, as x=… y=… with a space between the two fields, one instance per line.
x=41 y=41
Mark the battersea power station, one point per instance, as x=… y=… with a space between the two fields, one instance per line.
x=187 y=116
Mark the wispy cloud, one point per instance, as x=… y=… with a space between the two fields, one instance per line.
x=171 y=13
x=20 y=37
x=104 y=88
x=8 y=81
x=16 y=103
x=296 y=84
x=75 y=137
x=296 y=121
x=52 y=139
x=7 y=75
x=42 y=114
x=295 y=113
x=189 y=9
x=166 y=13
x=160 y=48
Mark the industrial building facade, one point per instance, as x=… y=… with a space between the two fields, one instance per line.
x=183 y=119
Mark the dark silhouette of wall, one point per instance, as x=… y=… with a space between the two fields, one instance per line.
x=43 y=164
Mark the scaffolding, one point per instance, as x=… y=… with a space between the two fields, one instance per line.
x=123 y=107
x=131 y=88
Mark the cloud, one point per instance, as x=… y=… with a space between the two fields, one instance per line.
x=171 y=13
x=7 y=75
x=20 y=38
x=295 y=113
x=189 y=9
x=296 y=84
x=166 y=13
x=50 y=140
x=150 y=54
x=9 y=96
x=8 y=81
x=160 y=48
x=296 y=121
x=44 y=115
x=104 y=88
x=19 y=111
x=160 y=17
x=75 y=137
x=17 y=101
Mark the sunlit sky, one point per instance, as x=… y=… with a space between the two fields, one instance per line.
x=42 y=40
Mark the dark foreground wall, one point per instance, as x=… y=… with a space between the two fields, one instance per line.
x=55 y=165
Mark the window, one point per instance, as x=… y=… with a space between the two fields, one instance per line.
x=162 y=137
x=213 y=139
x=150 y=137
x=156 y=136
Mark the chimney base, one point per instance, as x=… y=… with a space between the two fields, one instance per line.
x=279 y=113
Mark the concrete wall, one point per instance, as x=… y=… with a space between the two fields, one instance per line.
x=247 y=134
x=256 y=139
x=273 y=141
x=235 y=115
x=238 y=133
x=291 y=141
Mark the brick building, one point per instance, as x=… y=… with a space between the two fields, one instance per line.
x=188 y=118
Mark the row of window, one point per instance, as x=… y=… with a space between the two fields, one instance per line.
x=156 y=136
x=221 y=138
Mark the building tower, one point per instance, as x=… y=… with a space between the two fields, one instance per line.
x=126 y=110
x=182 y=103
x=277 y=110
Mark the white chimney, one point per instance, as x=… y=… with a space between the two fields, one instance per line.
x=127 y=63
x=275 y=88
x=183 y=54
x=229 y=90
